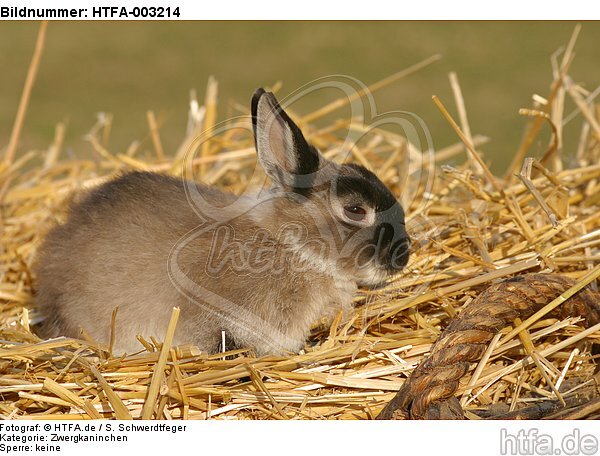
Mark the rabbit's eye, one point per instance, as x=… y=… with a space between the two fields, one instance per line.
x=355 y=212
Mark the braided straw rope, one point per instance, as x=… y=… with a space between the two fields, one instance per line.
x=429 y=392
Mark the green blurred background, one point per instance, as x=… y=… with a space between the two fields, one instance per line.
x=126 y=68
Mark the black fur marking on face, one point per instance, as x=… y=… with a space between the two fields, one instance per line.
x=367 y=186
x=389 y=237
x=306 y=156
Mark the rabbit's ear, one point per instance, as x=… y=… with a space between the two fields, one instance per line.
x=282 y=150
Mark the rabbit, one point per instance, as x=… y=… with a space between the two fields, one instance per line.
x=263 y=268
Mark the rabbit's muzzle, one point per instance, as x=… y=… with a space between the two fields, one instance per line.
x=392 y=245
x=399 y=254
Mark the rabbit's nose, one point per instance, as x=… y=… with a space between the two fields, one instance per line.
x=399 y=254
x=393 y=246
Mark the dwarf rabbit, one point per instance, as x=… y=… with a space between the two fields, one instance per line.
x=263 y=269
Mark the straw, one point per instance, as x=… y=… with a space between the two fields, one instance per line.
x=26 y=94
x=470 y=230
x=159 y=372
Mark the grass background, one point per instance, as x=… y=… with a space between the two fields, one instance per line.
x=126 y=68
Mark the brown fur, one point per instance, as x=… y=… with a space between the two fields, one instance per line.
x=114 y=251
x=146 y=243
